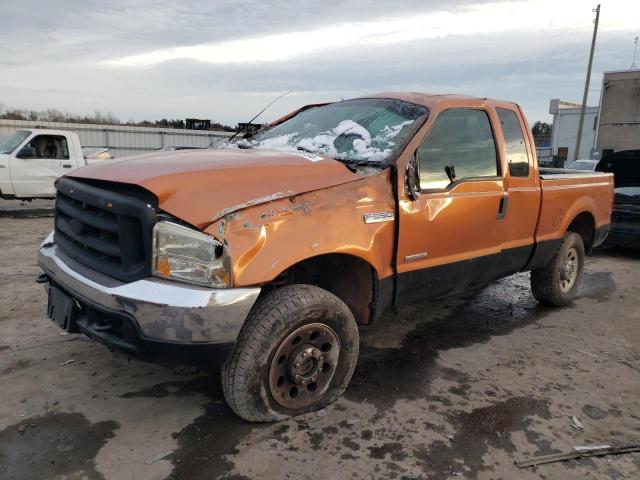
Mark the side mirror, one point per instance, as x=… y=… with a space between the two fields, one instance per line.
x=26 y=152
x=413 y=178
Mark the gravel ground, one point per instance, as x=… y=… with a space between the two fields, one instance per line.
x=458 y=388
x=37 y=208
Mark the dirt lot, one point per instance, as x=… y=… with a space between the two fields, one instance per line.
x=26 y=208
x=452 y=389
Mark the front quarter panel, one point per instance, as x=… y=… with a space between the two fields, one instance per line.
x=267 y=239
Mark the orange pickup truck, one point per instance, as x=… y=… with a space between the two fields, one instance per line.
x=267 y=255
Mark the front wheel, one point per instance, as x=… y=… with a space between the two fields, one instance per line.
x=296 y=353
x=557 y=282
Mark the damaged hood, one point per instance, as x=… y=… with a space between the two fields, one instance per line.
x=200 y=186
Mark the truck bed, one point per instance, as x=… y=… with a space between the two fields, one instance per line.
x=549 y=173
x=566 y=193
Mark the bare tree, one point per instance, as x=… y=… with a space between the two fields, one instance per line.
x=99 y=117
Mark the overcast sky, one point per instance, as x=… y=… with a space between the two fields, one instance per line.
x=226 y=59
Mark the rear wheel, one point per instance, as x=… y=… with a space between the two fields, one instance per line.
x=557 y=282
x=295 y=354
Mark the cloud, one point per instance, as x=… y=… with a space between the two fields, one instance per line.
x=96 y=29
x=467 y=21
x=527 y=52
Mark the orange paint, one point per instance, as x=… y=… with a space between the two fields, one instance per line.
x=273 y=210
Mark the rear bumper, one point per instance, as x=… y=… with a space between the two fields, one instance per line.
x=152 y=317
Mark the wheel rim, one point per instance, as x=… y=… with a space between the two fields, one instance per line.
x=569 y=270
x=304 y=365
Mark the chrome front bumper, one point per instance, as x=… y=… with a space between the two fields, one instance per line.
x=164 y=311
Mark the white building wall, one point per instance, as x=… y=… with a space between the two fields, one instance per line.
x=566 y=117
x=122 y=140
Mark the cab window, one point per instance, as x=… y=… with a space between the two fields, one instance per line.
x=50 y=146
x=460 y=145
x=11 y=143
x=516 y=148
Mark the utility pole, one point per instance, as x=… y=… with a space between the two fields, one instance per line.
x=586 y=85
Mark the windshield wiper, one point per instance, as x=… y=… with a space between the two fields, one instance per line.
x=305 y=149
x=351 y=162
x=360 y=163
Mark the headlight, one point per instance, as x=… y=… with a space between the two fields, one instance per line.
x=187 y=255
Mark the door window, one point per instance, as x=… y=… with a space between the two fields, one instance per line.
x=517 y=156
x=460 y=145
x=50 y=146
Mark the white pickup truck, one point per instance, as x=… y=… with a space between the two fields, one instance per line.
x=31 y=161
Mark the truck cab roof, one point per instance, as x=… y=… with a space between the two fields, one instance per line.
x=430 y=100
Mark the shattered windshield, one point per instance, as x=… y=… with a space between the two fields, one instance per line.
x=366 y=131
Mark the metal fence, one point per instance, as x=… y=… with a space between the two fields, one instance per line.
x=122 y=140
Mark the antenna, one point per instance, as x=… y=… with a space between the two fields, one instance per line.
x=635 y=50
x=249 y=122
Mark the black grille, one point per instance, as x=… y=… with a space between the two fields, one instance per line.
x=106 y=230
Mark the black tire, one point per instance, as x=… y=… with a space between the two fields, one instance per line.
x=551 y=284
x=267 y=330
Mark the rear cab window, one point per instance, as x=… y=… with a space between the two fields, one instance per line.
x=460 y=145
x=515 y=146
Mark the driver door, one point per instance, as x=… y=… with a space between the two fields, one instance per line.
x=34 y=175
x=450 y=234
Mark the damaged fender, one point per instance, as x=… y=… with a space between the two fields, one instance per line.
x=266 y=239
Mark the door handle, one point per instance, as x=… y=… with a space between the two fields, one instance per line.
x=502 y=209
x=66 y=166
